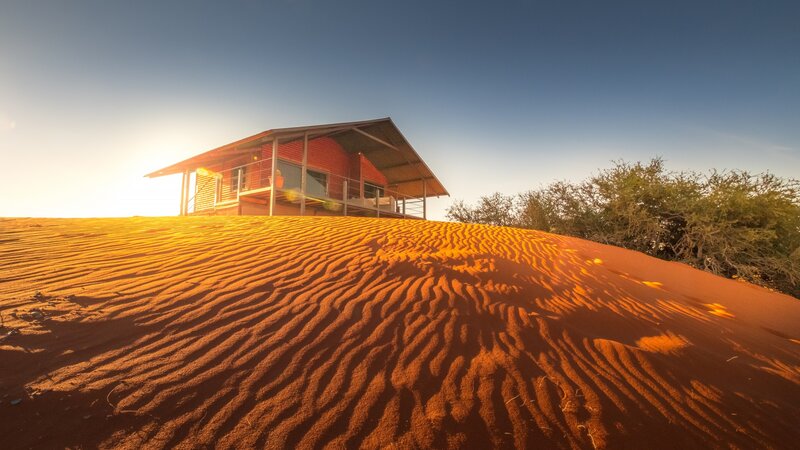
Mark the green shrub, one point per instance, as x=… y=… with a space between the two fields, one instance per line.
x=734 y=224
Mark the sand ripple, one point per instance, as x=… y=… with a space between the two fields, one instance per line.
x=369 y=333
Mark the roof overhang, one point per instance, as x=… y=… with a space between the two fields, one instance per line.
x=379 y=140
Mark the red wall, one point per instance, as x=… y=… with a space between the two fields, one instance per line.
x=371 y=174
x=326 y=155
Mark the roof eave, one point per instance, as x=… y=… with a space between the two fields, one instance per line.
x=295 y=132
x=264 y=135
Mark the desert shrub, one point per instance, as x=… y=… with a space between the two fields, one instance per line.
x=495 y=209
x=734 y=223
x=745 y=226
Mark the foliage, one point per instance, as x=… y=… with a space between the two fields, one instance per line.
x=495 y=209
x=733 y=223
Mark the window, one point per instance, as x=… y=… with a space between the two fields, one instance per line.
x=316 y=182
x=236 y=173
x=371 y=190
x=291 y=175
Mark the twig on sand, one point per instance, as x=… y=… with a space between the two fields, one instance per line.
x=123 y=411
x=108 y=396
x=542 y=380
x=196 y=428
x=589 y=433
x=731 y=358
x=563 y=391
x=512 y=398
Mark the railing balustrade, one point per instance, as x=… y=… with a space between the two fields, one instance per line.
x=332 y=191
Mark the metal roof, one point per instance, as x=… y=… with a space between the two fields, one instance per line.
x=379 y=140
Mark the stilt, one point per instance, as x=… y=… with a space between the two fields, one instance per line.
x=424 y=200
x=304 y=175
x=344 y=197
x=272 y=176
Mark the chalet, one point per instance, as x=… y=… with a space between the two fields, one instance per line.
x=354 y=169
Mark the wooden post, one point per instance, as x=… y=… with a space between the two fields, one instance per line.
x=189 y=194
x=183 y=187
x=344 y=197
x=361 y=176
x=424 y=200
x=238 y=181
x=404 y=207
x=303 y=175
x=377 y=201
x=272 y=176
x=184 y=192
x=216 y=190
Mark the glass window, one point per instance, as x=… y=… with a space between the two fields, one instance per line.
x=316 y=182
x=371 y=190
x=291 y=175
x=235 y=175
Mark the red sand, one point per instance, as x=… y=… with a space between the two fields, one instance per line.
x=345 y=332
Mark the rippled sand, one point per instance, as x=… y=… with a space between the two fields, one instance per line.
x=240 y=332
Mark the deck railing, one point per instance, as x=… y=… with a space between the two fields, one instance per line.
x=332 y=191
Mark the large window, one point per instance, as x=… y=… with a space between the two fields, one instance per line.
x=291 y=175
x=371 y=191
x=316 y=182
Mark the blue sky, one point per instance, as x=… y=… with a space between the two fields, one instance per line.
x=495 y=96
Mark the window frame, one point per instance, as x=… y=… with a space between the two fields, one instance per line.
x=325 y=173
x=234 y=180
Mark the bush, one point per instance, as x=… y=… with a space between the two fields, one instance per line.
x=734 y=224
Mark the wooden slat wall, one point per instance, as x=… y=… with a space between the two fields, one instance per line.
x=204 y=192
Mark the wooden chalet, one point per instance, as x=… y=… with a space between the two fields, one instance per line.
x=365 y=168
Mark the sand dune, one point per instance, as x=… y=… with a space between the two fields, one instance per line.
x=344 y=333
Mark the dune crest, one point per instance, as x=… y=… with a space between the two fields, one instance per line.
x=348 y=332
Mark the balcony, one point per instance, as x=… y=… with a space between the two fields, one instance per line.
x=317 y=192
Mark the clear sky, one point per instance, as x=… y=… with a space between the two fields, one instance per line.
x=495 y=96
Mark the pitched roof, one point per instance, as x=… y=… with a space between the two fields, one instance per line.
x=379 y=140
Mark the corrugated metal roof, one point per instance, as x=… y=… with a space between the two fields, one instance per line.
x=379 y=140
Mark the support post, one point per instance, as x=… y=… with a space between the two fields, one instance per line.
x=189 y=194
x=377 y=201
x=272 y=176
x=344 y=197
x=183 y=188
x=303 y=175
x=361 y=176
x=424 y=200
x=216 y=190
x=404 y=207
x=184 y=192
